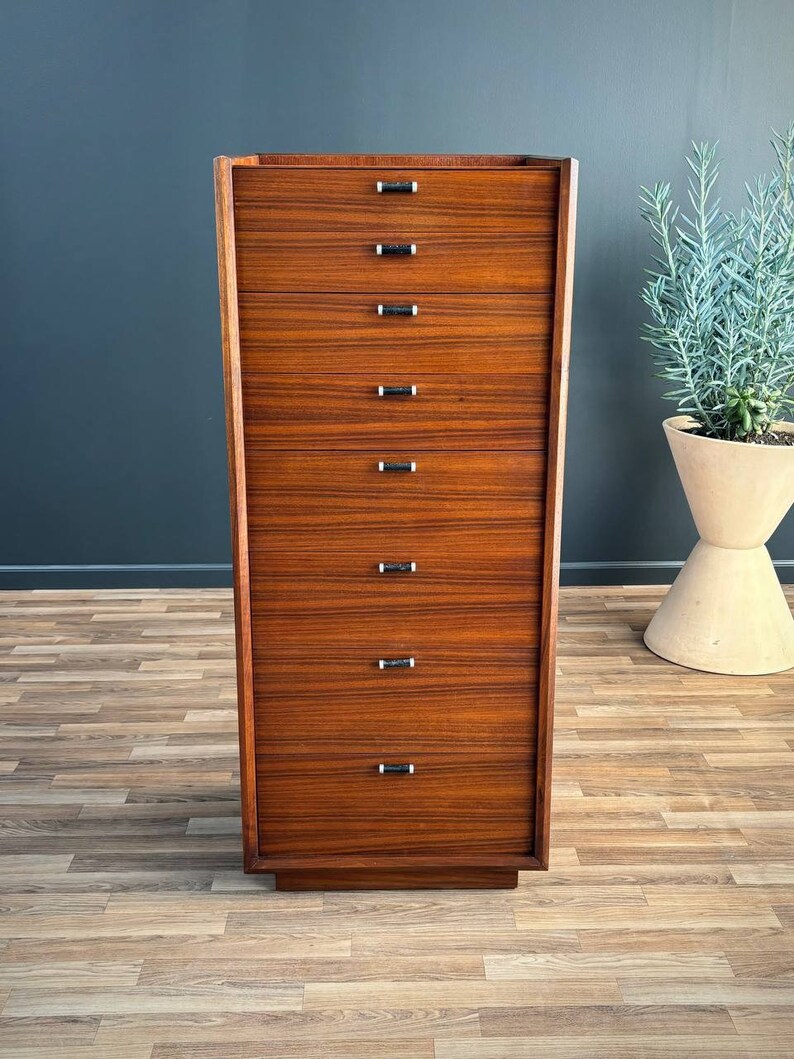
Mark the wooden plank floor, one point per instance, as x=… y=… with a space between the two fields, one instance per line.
x=664 y=929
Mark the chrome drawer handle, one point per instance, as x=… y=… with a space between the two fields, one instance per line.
x=405 y=770
x=409 y=186
x=406 y=468
x=398 y=310
x=388 y=249
x=397 y=568
x=396 y=663
x=396 y=391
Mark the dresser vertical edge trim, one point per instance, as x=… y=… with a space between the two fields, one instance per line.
x=232 y=384
x=558 y=400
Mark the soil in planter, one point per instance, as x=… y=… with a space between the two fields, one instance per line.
x=783 y=438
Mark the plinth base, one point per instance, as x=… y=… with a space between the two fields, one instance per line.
x=398 y=879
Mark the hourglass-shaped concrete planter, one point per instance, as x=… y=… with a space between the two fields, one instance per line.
x=726 y=612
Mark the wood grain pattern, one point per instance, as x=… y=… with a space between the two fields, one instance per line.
x=652 y=831
x=347 y=262
x=454 y=200
x=302 y=504
x=292 y=491
x=399 y=879
x=415 y=161
x=475 y=699
x=319 y=412
x=504 y=231
x=232 y=384
x=396 y=615
x=478 y=547
x=451 y=334
x=558 y=405
x=338 y=805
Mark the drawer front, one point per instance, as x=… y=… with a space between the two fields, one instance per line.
x=494 y=333
x=341 y=804
x=294 y=200
x=426 y=411
x=480 y=548
x=337 y=699
x=391 y=616
x=344 y=261
x=346 y=491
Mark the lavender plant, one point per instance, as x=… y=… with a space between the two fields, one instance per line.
x=721 y=297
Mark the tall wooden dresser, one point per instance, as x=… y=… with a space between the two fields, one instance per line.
x=395 y=336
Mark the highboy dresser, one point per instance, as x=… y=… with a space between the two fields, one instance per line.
x=395 y=337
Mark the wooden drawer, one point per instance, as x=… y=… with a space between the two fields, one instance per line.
x=466 y=576
x=484 y=548
x=336 y=699
x=316 y=199
x=451 y=333
x=347 y=412
x=339 y=803
x=345 y=261
x=394 y=615
x=291 y=492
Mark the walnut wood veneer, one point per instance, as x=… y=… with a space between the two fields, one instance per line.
x=395 y=338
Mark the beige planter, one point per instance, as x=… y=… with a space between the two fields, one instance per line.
x=726 y=612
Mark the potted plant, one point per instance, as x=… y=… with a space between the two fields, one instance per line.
x=721 y=299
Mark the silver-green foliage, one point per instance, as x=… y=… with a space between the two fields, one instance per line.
x=722 y=297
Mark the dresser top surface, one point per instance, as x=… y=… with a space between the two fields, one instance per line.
x=414 y=161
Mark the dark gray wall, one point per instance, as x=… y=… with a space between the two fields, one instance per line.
x=111 y=424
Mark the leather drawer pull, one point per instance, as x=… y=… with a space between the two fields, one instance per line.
x=409 y=186
x=396 y=663
x=398 y=310
x=398 y=468
x=397 y=568
x=396 y=391
x=405 y=770
x=390 y=249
